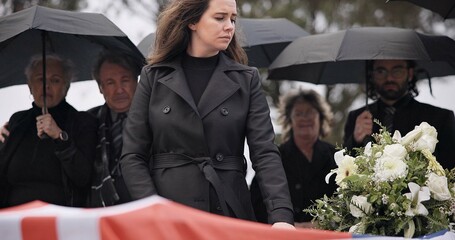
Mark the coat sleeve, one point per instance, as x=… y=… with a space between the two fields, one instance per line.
x=348 y=138
x=446 y=135
x=78 y=153
x=137 y=140
x=265 y=157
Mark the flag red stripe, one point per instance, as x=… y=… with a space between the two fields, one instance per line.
x=39 y=228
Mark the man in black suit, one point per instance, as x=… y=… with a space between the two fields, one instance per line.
x=393 y=84
x=116 y=75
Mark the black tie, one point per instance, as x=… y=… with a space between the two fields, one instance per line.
x=388 y=118
x=116 y=134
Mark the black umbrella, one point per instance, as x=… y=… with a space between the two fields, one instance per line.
x=262 y=39
x=146 y=44
x=445 y=8
x=340 y=57
x=77 y=36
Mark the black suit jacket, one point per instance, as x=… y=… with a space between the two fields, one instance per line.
x=406 y=118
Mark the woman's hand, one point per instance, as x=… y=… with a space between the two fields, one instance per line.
x=4 y=132
x=283 y=225
x=46 y=125
x=305 y=225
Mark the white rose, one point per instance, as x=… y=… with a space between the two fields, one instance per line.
x=438 y=187
x=422 y=137
x=426 y=142
x=359 y=206
x=411 y=136
x=395 y=151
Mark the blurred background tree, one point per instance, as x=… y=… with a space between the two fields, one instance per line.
x=315 y=16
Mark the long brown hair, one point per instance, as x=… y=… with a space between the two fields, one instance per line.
x=173 y=34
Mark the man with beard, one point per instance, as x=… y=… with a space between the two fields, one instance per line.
x=393 y=84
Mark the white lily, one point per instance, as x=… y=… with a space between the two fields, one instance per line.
x=346 y=167
x=396 y=136
x=417 y=196
x=367 y=151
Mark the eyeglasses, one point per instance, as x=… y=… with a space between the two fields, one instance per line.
x=396 y=72
x=305 y=115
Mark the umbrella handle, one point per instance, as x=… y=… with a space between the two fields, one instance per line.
x=44 y=111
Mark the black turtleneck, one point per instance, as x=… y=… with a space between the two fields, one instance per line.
x=198 y=72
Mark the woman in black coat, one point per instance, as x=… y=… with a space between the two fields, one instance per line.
x=48 y=156
x=194 y=105
x=305 y=117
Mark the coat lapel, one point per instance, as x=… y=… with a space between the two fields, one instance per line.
x=176 y=81
x=220 y=86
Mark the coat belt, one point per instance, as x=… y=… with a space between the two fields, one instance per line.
x=225 y=193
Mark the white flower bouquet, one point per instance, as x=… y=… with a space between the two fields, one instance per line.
x=394 y=187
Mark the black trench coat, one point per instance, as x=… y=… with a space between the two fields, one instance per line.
x=174 y=148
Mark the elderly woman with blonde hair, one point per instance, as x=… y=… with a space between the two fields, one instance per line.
x=48 y=155
x=306 y=118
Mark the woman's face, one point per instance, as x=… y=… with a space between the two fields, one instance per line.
x=305 y=121
x=215 y=29
x=56 y=87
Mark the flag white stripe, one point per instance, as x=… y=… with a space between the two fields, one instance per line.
x=76 y=227
x=10 y=227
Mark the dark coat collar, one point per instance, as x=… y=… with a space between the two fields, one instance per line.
x=219 y=88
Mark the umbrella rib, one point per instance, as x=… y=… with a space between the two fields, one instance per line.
x=341 y=44
x=269 y=59
x=450 y=11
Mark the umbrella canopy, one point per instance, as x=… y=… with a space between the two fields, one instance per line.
x=262 y=39
x=146 y=44
x=445 y=8
x=77 y=36
x=340 y=57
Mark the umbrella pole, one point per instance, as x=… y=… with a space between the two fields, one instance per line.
x=43 y=40
x=366 y=86
x=44 y=109
x=366 y=94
